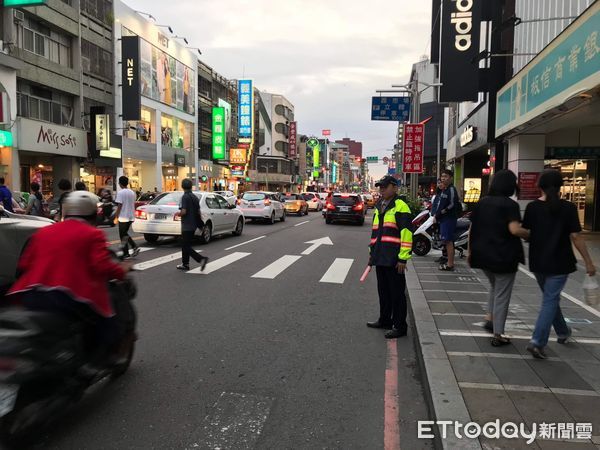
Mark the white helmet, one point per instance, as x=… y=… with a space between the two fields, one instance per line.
x=80 y=203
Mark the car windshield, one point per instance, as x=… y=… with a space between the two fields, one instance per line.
x=253 y=197
x=291 y=197
x=345 y=201
x=168 y=199
x=309 y=197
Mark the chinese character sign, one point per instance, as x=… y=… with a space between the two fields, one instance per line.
x=390 y=108
x=412 y=155
x=237 y=156
x=246 y=108
x=218 y=133
x=292 y=140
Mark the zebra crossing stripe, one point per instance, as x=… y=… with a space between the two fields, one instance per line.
x=272 y=270
x=217 y=264
x=338 y=271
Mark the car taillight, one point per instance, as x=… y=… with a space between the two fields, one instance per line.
x=139 y=214
x=267 y=202
x=331 y=206
x=177 y=217
x=358 y=207
x=238 y=201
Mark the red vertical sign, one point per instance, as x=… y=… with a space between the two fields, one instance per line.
x=413 y=146
x=292 y=139
x=528 y=185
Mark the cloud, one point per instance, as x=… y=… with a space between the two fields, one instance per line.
x=327 y=57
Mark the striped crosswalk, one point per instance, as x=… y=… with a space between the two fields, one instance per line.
x=336 y=273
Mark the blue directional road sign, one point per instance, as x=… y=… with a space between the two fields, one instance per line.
x=396 y=109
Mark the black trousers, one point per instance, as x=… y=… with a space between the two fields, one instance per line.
x=187 y=237
x=126 y=240
x=391 y=286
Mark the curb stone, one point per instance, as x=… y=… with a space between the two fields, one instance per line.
x=444 y=396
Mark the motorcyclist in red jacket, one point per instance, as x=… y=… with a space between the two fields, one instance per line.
x=66 y=267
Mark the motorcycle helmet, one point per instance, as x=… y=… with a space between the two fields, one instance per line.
x=80 y=203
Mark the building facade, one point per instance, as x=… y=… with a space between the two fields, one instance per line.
x=548 y=114
x=354 y=147
x=159 y=149
x=56 y=65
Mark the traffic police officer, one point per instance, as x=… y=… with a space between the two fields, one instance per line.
x=390 y=249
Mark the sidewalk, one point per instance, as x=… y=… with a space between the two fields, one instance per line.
x=469 y=380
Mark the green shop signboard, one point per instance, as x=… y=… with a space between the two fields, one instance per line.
x=218 y=133
x=569 y=65
x=316 y=146
x=6 y=138
x=13 y=3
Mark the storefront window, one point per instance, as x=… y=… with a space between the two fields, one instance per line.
x=176 y=133
x=574 y=173
x=143 y=128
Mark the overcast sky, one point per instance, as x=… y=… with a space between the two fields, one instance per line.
x=326 y=56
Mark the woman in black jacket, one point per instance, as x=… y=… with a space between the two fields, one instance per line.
x=495 y=246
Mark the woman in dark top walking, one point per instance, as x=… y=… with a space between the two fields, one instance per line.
x=495 y=246
x=555 y=228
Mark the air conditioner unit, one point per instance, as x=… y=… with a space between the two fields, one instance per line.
x=19 y=15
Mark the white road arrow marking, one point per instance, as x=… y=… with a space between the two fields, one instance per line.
x=316 y=244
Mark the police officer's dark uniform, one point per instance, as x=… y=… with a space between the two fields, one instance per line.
x=391 y=243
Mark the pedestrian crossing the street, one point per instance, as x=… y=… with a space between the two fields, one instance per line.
x=336 y=273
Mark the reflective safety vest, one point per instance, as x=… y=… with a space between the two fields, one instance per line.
x=391 y=239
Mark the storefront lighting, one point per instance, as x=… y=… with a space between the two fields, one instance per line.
x=41 y=166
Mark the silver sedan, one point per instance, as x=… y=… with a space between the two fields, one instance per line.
x=161 y=217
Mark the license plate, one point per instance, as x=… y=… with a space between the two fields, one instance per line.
x=251 y=206
x=344 y=208
x=160 y=216
x=8 y=397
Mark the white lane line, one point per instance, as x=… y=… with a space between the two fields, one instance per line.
x=146 y=249
x=301 y=223
x=567 y=296
x=219 y=263
x=338 y=271
x=235 y=421
x=456 y=292
x=244 y=243
x=498 y=355
x=542 y=389
x=462 y=333
x=158 y=261
x=275 y=268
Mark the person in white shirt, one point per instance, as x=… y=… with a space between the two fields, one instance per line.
x=125 y=216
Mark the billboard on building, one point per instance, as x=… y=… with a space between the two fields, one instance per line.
x=292 y=153
x=459 y=67
x=246 y=109
x=102 y=130
x=237 y=156
x=165 y=79
x=130 y=72
x=218 y=132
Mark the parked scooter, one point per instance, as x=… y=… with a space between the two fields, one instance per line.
x=45 y=363
x=427 y=235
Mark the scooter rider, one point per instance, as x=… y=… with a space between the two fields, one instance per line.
x=66 y=268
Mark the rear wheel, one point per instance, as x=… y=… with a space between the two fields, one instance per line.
x=121 y=368
x=327 y=220
x=206 y=235
x=151 y=238
x=361 y=222
x=421 y=245
x=239 y=228
x=283 y=214
x=272 y=220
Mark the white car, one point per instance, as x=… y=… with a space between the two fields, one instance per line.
x=314 y=201
x=227 y=195
x=161 y=217
x=15 y=231
x=262 y=205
